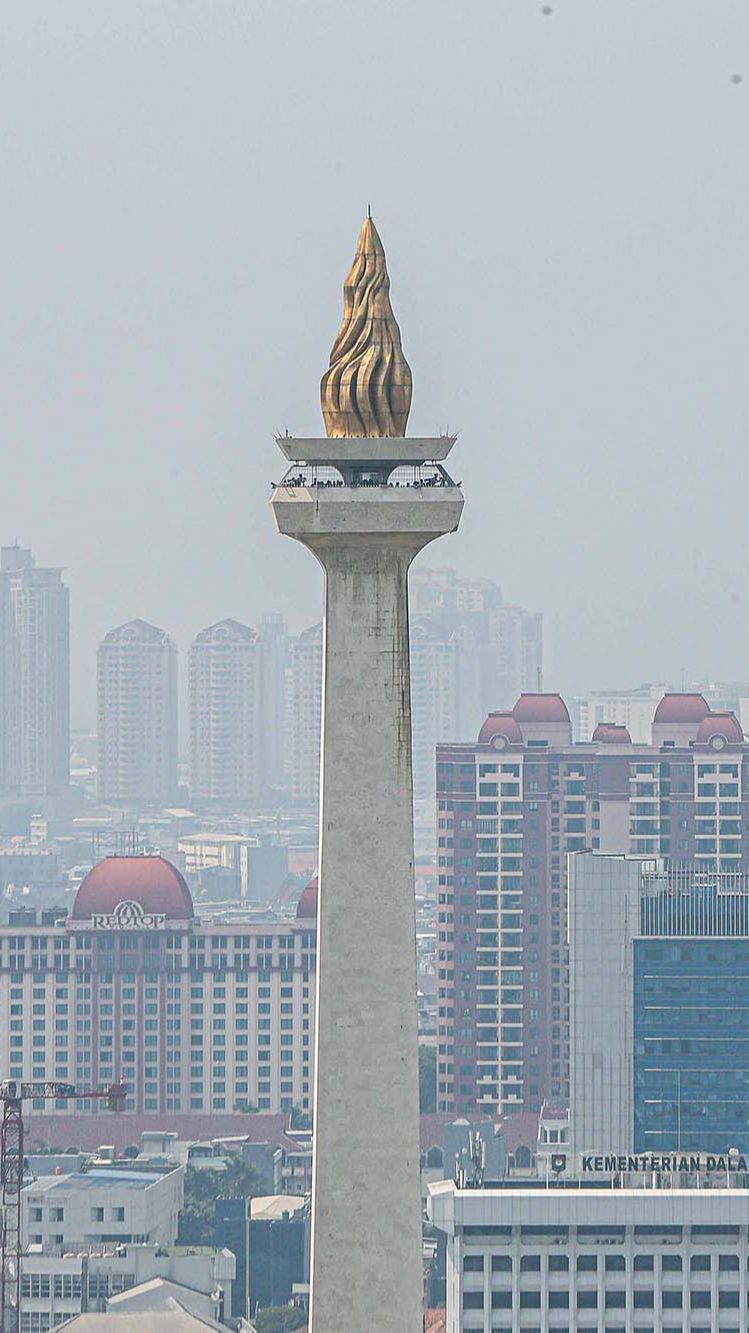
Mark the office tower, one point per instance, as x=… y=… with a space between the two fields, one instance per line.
x=365 y=501
x=195 y=1016
x=659 y=1030
x=510 y=808
x=304 y=713
x=40 y=614
x=226 y=707
x=274 y=642
x=137 y=712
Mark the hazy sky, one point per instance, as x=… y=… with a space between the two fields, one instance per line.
x=564 y=202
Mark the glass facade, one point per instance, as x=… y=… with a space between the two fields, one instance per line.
x=691 y=1033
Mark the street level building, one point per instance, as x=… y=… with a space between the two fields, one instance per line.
x=588 y=1260
x=55 y=1287
x=511 y=807
x=659 y=1023
x=96 y=1207
x=137 y=712
x=194 y=1015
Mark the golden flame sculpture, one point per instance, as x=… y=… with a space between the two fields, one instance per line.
x=366 y=391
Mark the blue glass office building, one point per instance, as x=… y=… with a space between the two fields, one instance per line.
x=659 y=1006
x=691 y=1021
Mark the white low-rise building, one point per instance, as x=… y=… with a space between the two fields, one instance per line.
x=56 y=1287
x=102 y=1207
x=594 y=1260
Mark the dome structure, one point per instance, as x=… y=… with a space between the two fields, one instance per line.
x=720 y=729
x=149 y=883
x=500 y=729
x=307 y=906
x=540 y=708
x=681 y=708
x=612 y=733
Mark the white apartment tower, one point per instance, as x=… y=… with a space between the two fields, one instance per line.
x=226 y=679
x=137 y=715
x=304 y=713
x=274 y=641
x=8 y=764
x=35 y=615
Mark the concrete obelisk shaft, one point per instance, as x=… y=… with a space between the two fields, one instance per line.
x=366 y=1246
x=366 y=1210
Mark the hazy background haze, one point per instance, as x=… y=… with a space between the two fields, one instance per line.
x=564 y=202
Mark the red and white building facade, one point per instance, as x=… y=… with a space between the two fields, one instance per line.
x=193 y=1015
x=510 y=808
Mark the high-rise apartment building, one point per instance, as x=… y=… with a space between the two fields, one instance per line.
x=194 y=1014
x=304 y=714
x=35 y=684
x=435 y=699
x=635 y=708
x=274 y=642
x=495 y=653
x=510 y=808
x=8 y=690
x=226 y=707
x=137 y=715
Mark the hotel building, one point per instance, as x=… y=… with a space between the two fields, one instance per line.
x=194 y=1015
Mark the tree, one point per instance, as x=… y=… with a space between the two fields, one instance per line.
x=280 y=1319
x=427 y=1079
x=203 y=1187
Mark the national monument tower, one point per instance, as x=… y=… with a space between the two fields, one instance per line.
x=365 y=500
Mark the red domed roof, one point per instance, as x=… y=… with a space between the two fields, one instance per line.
x=540 y=708
x=720 y=724
x=307 y=906
x=612 y=733
x=681 y=708
x=500 y=724
x=149 y=880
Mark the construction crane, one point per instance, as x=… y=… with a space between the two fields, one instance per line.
x=12 y=1095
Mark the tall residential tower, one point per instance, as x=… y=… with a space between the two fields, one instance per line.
x=365 y=501
x=37 y=670
x=137 y=708
x=225 y=713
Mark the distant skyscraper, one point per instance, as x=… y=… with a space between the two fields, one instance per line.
x=137 y=712
x=435 y=699
x=510 y=808
x=274 y=641
x=304 y=713
x=226 y=679
x=500 y=645
x=37 y=602
x=8 y=690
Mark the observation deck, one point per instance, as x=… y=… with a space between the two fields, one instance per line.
x=366 y=487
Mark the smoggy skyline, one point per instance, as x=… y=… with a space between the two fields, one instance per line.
x=563 y=202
